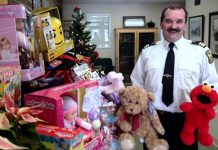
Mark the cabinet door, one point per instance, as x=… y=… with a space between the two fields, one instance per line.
x=145 y=38
x=125 y=53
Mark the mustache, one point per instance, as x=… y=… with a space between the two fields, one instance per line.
x=173 y=30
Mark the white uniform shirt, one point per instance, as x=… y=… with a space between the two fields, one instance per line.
x=192 y=67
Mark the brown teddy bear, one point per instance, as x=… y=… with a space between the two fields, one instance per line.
x=137 y=117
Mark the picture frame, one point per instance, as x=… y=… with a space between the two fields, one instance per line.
x=134 y=22
x=213 y=33
x=197 y=2
x=196 y=28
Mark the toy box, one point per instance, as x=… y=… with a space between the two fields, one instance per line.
x=10 y=83
x=56 y=138
x=51 y=103
x=19 y=42
x=95 y=144
x=52 y=43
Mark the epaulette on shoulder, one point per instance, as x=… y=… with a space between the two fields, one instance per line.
x=199 y=43
x=148 y=45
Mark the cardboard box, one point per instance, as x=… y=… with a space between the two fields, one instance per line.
x=52 y=55
x=17 y=33
x=50 y=100
x=52 y=43
x=56 y=138
x=10 y=83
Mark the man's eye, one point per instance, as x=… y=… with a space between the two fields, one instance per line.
x=180 y=21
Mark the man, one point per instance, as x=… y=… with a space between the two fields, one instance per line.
x=193 y=65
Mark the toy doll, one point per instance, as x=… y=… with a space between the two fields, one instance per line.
x=25 y=45
x=7 y=50
x=70 y=111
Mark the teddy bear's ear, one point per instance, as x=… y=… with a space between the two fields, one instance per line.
x=121 y=91
x=151 y=96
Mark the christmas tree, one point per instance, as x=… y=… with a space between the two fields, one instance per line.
x=81 y=36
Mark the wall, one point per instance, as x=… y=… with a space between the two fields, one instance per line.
x=204 y=8
x=117 y=11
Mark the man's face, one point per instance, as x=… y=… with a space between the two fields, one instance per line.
x=173 y=25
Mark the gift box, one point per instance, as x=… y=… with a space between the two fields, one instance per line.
x=17 y=34
x=56 y=138
x=51 y=103
x=10 y=83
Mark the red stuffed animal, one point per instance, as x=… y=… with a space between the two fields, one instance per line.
x=198 y=114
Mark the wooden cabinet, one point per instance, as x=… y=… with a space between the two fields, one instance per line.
x=129 y=43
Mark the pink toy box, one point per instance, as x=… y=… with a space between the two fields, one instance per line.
x=18 y=43
x=50 y=100
x=56 y=138
x=10 y=83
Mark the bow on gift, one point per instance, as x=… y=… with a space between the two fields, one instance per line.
x=83 y=58
x=134 y=118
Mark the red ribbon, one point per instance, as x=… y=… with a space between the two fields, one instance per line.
x=134 y=118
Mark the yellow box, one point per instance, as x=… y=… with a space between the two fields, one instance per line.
x=51 y=55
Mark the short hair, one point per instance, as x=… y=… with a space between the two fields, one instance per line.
x=173 y=7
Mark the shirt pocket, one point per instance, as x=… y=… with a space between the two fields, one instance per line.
x=187 y=75
x=153 y=75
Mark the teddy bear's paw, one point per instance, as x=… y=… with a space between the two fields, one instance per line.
x=126 y=142
x=161 y=145
x=125 y=126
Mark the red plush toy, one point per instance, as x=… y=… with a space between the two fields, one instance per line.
x=198 y=114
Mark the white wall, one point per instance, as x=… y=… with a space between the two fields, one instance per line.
x=204 y=8
x=117 y=11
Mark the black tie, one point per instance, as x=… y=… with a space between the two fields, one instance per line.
x=167 y=94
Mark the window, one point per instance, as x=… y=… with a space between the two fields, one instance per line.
x=100 y=29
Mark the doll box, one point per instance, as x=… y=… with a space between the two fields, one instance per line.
x=17 y=32
x=10 y=82
x=51 y=103
x=95 y=144
x=56 y=138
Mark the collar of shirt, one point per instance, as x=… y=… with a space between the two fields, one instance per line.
x=178 y=44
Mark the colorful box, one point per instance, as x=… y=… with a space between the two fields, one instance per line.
x=52 y=43
x=10 y=83
x=95 y=144
x=17 y=34
x=50 y=100
x=56 y=138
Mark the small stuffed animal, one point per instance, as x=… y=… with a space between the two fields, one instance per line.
x=110 y=91
x=199 y=112
x=137 y=117
x=116 y=83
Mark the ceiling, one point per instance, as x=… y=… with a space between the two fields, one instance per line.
x=117 y=1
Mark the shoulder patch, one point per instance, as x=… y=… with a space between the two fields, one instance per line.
x=148 y=45
x=199 y=43
x=209 y=56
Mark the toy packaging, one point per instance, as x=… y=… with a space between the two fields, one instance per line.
x=50 y=101
x=50 y=32
x=56 y=138
x=19 y=42
x=10 y=83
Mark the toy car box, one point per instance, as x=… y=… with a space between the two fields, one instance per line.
x=51 y=103
x=17 y=34
x=56 y=138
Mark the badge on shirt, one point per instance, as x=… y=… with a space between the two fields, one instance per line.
x=209 y=56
